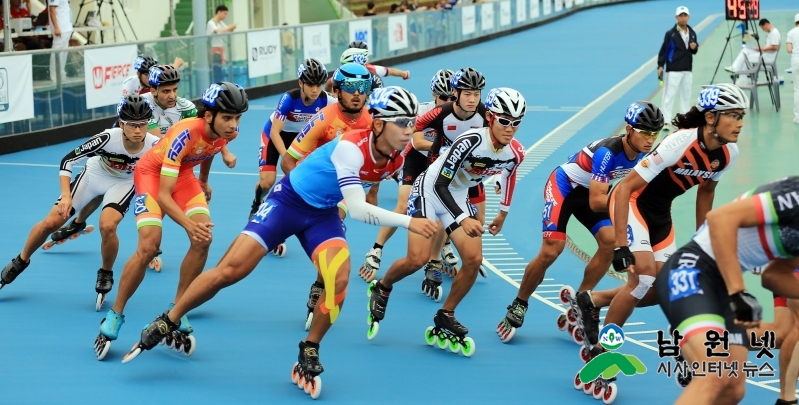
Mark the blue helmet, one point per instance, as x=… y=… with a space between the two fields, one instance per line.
x=352 y=77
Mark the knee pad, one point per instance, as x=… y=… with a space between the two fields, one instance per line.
x=329 y=267
x=644 y=284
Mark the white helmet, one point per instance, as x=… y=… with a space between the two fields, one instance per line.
x=506 y=101
x=440 y=83
x=721 y=97
x=355 y=55
x=392 y=101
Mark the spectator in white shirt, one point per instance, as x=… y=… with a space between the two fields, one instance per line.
x=217 y=26
x=61 y=27
x=769 y=49
x=793 y=49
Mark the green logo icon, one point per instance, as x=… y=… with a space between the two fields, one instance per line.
x=608 y=364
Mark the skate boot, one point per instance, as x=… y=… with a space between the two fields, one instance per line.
x=70 y=231
x=105 y=281
x=588 y=314
x=313 y=298
x=448 y=332
x=153 y=334
x=305 y=372
x=156 y=263
x=279 y=250
x=109 y=331
x=371 y=265
x=378 y=300
x=449 y=261
x=431 y=285
x=181 y=339
x=570 y=321
x=513 y=320
x=12 y=270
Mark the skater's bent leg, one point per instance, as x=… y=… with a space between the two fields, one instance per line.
x=471 y=251
x=535 y=270
x=418 y=254
x=385 y=233
x=332 y=259
x=481 y=212
x=371 y=195
x=638 y=284
x=600 y=263
x=266 y=180
x=133 y=272
x=40 y=232
x=603 y=298
x=89 y=209
x=712 y=389
x=238 y=262
x=109 y=246
x=195 y=259
x=438 y=243
x=651 y=299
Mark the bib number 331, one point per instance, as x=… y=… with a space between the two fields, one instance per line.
x=683 y=283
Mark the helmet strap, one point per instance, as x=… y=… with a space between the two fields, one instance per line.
x=627 y=137
x=458 y=103
x=713 y=129
x=374 y=140
x=213 y=121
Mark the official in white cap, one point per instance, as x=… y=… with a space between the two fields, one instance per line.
x=676 y=57
x=792 y=42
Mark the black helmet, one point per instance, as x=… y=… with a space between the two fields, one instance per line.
x=645 y=116
x=143 y=63
x=358 y=44
x=312 y=72
x=134 y=107
x=467 y=79
x=226 y=97
x=377 y=82
x=163 y=74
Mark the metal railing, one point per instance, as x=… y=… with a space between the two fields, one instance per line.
x=61 y=101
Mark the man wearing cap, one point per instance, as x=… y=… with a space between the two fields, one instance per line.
x=793 y=49
x=769 y=49
x=676 y=54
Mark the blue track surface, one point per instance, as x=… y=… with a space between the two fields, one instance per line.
x=247 y=335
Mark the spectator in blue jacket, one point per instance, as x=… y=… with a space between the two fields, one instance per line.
x=676 y=54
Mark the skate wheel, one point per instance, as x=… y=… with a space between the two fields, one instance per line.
x=585 y=355
x=294 y=374
x=442 y=342
x=566 y=292
x=162 y=342
x=588 y=388
x=578 y=336
x=61 y=242
x=155 y=264
x=301 y=381
x=280 y=251
x=48 y=245
x=424 y=288
x=599 y=390
x=170 y=341
x=307 y=386
x=134 y=352
x=189 y=344
x=483 y=271
x=437 y=294
x=74 y=236
x=429 y=336
x=88 y=229
x=374 y=327
x=508 y=335
x=98 y=302
x=316 y=387
x=572 y=316
x=569 y=328
x=577 y=383
x=101 y=346
x=682 y=380
x=610 y=394
x=370 y=289
x=454 y=345
x=562 y=322
x=468 y=347
x=309 y=320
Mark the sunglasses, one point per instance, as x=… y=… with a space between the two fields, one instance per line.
x=360 y=85
x=734 y=115
x=402 y=121
x=135 y=125
x=506 y=122
x=446 y=98
x=647 y=134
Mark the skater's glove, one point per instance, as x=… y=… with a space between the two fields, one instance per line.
x=746 y=308
x=622 y=258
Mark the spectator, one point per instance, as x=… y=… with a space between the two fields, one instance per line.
x=17 y=11
x=370 y=9
x=416 y=7
x=217 y=26
x=61 y=27
x=394 y=8
x=793 y=49
x=769 y=51
x=444 y=5
x=676 y=53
